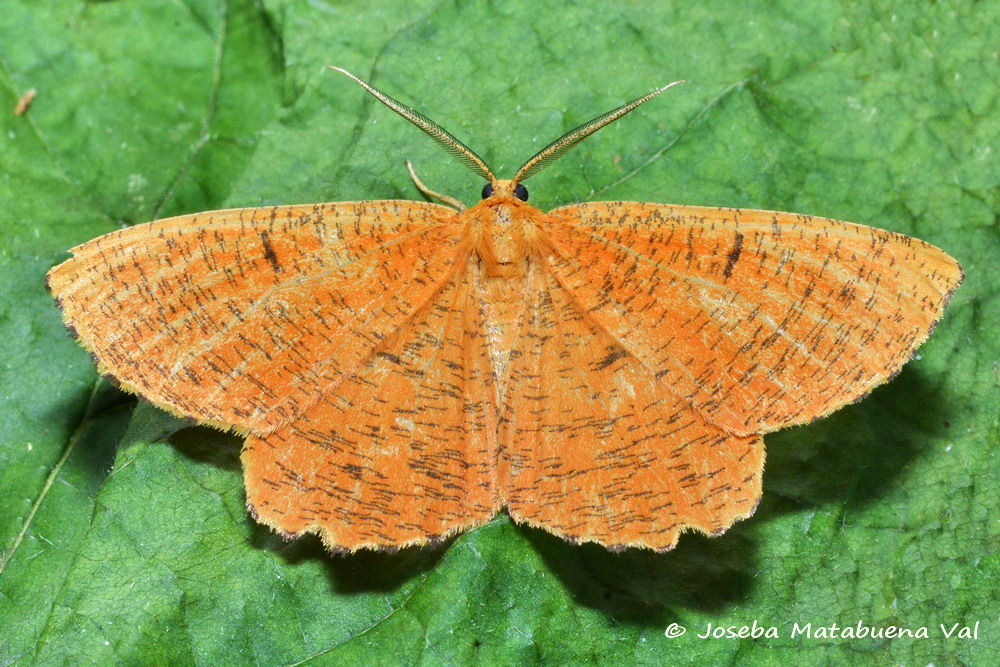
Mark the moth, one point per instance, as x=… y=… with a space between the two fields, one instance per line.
x=404 y=370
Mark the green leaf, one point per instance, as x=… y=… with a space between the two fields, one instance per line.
x=123 y=534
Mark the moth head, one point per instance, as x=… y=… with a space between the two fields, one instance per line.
x=503 y=188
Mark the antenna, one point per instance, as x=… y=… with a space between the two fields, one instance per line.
x=563 y=144
x=443 y=137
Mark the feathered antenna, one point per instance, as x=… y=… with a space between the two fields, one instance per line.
x=560 y=146
x=443 y=137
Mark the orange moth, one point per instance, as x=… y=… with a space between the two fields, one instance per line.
x=403 y=370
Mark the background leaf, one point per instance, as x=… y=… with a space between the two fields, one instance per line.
x=124 y=535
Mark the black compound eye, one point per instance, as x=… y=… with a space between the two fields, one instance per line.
x=521 y=192
x=487 y=190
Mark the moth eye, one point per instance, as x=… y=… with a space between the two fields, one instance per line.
x=487 y=190
x=521 y=192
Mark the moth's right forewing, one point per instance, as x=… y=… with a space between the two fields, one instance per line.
x=243 y=317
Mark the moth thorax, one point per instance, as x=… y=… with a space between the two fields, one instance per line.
x=506 y=234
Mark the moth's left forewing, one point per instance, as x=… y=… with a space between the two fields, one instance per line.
x=757 y=319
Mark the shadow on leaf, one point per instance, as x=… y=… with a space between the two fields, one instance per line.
x=703 y=573
x=364 y=571
x=851 y=457
x=218 y=449
x=848 y=458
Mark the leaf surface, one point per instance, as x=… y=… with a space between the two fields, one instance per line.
x=124 y=535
